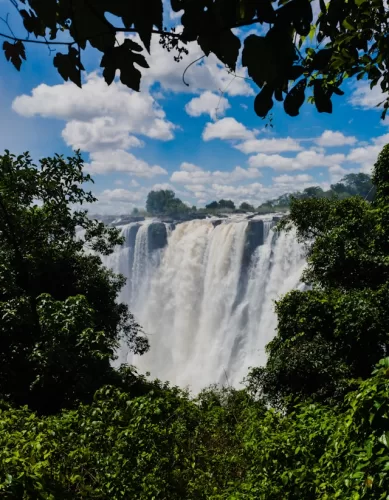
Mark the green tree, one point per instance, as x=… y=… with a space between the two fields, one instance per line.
x=226 y=204
x=246 y=207
x=164 y=201
x=336 y=332
x=212 y=206
x=61 y=323
x=344 y=40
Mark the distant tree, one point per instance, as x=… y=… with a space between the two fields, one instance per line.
x=339 y=188
x=313 y=192
x=135 y=211
x=213 y=205
x=360 y=184
x=164 y=201
x=61 y=323
x=246 y=207
x=194 y=208
x=226 y=204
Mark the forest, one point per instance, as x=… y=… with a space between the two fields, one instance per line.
x=312 y=423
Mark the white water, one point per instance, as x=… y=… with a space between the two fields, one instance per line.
x=208 y=319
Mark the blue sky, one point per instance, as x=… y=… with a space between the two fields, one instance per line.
x=203 y=141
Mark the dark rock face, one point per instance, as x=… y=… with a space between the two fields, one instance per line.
x=277 y=218
x=127 y=220
x=216 y=222
x=130 y=235
x=254 y=238
x=157 y=236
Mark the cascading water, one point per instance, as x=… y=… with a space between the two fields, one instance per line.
x=204 y=293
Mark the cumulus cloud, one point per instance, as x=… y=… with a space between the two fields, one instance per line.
x=98 y=116
x=302 y=161
x=206 y=74
x=273 y=145
x=331 y=138
x=366 y=98
x=292 y=180
x=366 y=156
x=192 y=174
x=207 y=103
x=103 y=162
x=227 y=129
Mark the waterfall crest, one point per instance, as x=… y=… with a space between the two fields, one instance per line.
x=204 y=293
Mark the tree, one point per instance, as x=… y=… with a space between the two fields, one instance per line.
x=212 y=206
x=226 y=204
x=247 y=207
x=358 y=184
x=61 y=324
x=345 y=40
x=332 y=335
x=313 y=192
x=164 y=201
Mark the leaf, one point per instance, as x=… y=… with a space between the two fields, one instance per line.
x=123 y=58
x=15 y=52
x=265 y=11
x=224 y=44
x=322 y=98
x=69 y=66
x=144 y=15
x=295 y=98
x=263 y=103
x=32 y=23
x=321 y=59
x=323 y=7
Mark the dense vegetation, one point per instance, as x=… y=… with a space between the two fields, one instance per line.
x=295 y=54
x=312 y=424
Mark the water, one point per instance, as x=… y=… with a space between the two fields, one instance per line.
x=206 y=299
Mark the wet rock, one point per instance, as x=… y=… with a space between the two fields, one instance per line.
x=157 y=236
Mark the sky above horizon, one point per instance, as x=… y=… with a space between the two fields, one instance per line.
x=204 y=140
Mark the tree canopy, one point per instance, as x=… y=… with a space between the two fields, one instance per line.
x=164 y=201
x=333 y=334
x=61 y=324
x=299 y=55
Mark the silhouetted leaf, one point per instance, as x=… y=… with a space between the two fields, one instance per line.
x=14 y=52
x=321 y=59
x=69 y=66
x=32 y=23
x=278 y=95
x=322 y=97
x=295 y=72
x=143 y=15
x=224 y=44
x=265 y=11
x=123 y=58
x=263 y=103
x=295 y=98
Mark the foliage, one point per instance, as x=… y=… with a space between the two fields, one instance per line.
x=341 y=41
x=351 y=185
x=332 y=335
x=60 y=320
x=221 y=205
x=164 y=201
x=224 y=444
x=246 y=207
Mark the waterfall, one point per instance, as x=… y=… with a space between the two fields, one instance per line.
x=204 y=293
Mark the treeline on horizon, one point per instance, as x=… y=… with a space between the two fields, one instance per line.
x=313 y=423
x=165 y=202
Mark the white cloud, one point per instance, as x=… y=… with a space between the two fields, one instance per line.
x=366 y=98
x=302 y=161
x=192 y=174
x=336 y=173
x=330 y=138
x=206 y=74
x=103 y=162
x=226 y=129
x=98 y=116
x=292 y=180
x=209 y=104
x=273 y=145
